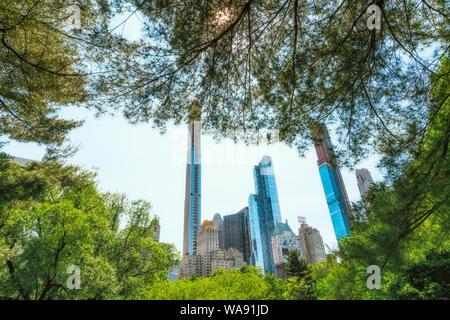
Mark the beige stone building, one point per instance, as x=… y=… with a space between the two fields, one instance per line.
x=208 y=242
x=209 y=256
x=191 y=265
x=227 y=259
x=311 y=244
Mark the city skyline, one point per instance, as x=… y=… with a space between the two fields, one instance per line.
x=237 y=233
x=111 y=143
x=224 y=151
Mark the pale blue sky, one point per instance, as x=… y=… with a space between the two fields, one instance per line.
x=138 y=161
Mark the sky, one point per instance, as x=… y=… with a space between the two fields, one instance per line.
x=140 y=162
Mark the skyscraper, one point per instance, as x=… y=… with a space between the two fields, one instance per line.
x=365 y=181
x=208 y=242
x=311 y=244
x=237 y=233
x=209 y=257
x=218 y=223
x=284 y=241
x=192 y=202
x=333 y=184
x=264 y=214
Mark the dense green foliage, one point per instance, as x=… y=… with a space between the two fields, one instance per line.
x=244 y=284
x=47 y=63
x=52 y=217
x=295 y=266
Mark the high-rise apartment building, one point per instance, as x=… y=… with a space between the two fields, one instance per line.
x=218 y=223
x=311 y=244
x=365 y=181
x=192 y=202
x=226 y=259
x=264 y=214
x=209 y=257
x=333 y=184
x=208 y=242
x=191 y=266
x=284 y=241
x=237 y=233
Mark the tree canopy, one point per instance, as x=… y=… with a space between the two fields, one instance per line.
x=52 y=217
x=46 y=64
x=406 y=226
x=286 y=66
x=289 y=66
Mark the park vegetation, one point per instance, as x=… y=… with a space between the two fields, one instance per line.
x=287 y=66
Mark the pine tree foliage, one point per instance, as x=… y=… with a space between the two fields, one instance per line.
x=407 y=221
x=289 y=66
x=48 y=61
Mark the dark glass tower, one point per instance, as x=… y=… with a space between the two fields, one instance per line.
x=264 y=214
x=237 y=232
x=333 y=184
x=192 y=202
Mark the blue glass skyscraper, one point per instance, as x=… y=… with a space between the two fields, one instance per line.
x=192 y=202
x=333 y=185
x=264 y=214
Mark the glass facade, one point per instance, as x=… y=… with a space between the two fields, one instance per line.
x=192 y=204
x=264 y=214
x=237 y=233
x=333 y=186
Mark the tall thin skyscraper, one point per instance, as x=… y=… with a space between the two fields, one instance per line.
x=365 y=181
x=237 y=233
x=333 y=184
x=192 y=202
x=264 y=213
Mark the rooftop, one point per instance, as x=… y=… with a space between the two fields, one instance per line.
x=280 y=228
